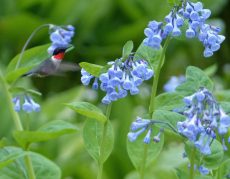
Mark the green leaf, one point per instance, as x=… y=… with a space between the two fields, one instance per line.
x=222 y=95
x=24 y=90
x=150 y=54
x=173 y=2
x=136 y=150
x=30 y=59
x=195 y=78
x=93 y=134
x=88 y=110
x=224 y=169
x=226 y=106
x=211 y=161
x=211 y=70
x=49 y=131
x=169 y=101
x=93 y=69
x=168 y=117
x=127 y=49
x=43 y=167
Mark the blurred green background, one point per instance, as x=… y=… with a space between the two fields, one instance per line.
x=102 y=28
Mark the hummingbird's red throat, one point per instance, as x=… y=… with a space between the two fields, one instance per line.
x=59 y=56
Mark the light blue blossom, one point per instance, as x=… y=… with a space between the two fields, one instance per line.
x=60 y=36
x=173 y=82
x=205 y=119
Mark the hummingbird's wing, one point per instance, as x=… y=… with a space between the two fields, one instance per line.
x=67 y=66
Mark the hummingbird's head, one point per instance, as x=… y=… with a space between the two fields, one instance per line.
x=59 y=53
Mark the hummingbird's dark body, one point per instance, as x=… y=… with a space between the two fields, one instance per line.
x=52 y=65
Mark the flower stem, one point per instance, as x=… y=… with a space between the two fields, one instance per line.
x=27 y=43
x=152 y=101
x=192 y=163
x=105 y=128
x=18 y=125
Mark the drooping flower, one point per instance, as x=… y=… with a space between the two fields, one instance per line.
x=141 y=125
x=120 y=78
x=195 y=16
x=205 y=119
x=60 y=36
x=173 y=82
x=28 y=106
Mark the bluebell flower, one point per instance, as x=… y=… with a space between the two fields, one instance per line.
x=195 y=16
x=60 y=36
x=122 y=77
x=173 y=82
x=205 y=119
x=141 y=125
x=28 y=106
x=203 y=170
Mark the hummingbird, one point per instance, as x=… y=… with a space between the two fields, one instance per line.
x=53 y=65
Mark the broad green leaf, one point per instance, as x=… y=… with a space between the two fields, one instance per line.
x=169 y=101
x=211 y=161
x=226 y=106
x=49 y=131
x=127 y=49
x=97 y=147
x=93 y=69
x=195 y=78
x=88 y=110
x=24 y=90
x=43 y=167
x=30 y=59
x=222 y=95
x=150 y=54
x=168 y=117
x=136 y=150
x=224 y=169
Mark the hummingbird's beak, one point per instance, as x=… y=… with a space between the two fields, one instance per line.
x=69 y=48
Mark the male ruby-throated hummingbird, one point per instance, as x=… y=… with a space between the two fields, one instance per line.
x=53 y=65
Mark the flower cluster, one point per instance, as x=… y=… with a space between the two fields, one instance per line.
x=28 y=106
x=139 y=126
x=173 y=82
x=120 y=78
x=205 y=119
x=195 y=16
x=60 y=36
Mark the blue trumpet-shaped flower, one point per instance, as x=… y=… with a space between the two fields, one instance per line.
x=60 y=36
x=120 y=78
x=28 y=106
x=205 y=119
x=195 y=16
x=141 y=125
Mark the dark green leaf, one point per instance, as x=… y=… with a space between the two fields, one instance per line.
x=169 y=101
x=30 y=59
x=49 y=131
x=93 y=69
x=93 y=134
x=136 y=150
x=150 y=54
x=43 y=167
x=88 y=110
x=127 y=49
x=195 y=78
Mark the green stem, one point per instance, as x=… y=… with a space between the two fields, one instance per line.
x=156 y=78
x=192 y=163
x=152 y=101
x=27 y=43
x=105 y=128
x=18 y=124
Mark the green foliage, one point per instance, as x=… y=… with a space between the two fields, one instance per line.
x=30 y=59
x=224 y=169
x=48 y=131
x=24 y=90
x=150 y=54
x=93 y=69
x=136 y=150
x=43 y=167
x=127 y=49
x=98 y=145
x=88 y=110
x=195 y=78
